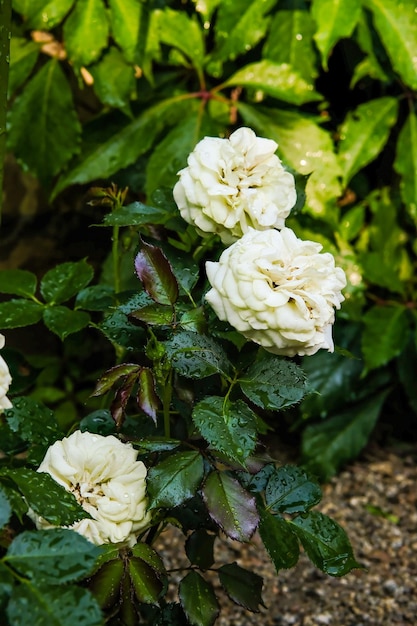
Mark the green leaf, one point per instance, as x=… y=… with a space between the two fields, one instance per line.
x=364 y=133
x=396 y=24
x=381 y=271
x=279 y=540
x=277 y=80
x=326 y=446
x=175 y=479
x=49 y=14
x=370 y=65
x=199 y=548
x=197 y=356
x=5 y=514
x=406 y=373
x=405 y=163
x=6 y=586
x=274 y=383
x=335 y=19
x=65 y=280
x=18 y=313
x=230 y=506
x=125 y=146
x=290 y=40
x=46 y=497
x=146 y=581
x=325 y=542
x=105 y=583
x=385 y=334
x=154 y=271
x=95 y=298
x=198 y=600
x=229 y=427
x=137 y=214
x=32 y=421
x=242 y=586
x=186 y=271
x=177 y=29
x=120 y=331
x=291 y=490
x=154 y=314
x=352 y=222
x=37 y=135
x=63 y=321
x=116 y=92
x=52 y=557
x=125 y=21
x=57 y=606
x=18 y=282
x=23 y=56
x=86 y=32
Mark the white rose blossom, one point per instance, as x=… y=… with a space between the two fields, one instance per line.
x=231 y=185
x=278 y=291
x=107 y=480
x=5 y=380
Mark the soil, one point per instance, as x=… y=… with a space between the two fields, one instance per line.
x=375 y=500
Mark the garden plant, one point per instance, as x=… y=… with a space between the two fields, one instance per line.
x=254 y=165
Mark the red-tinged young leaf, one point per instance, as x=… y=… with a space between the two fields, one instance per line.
x=279 y=540
x=242 y=586
x=112 y=376
x=154 y=270
x=118 y=406
x=147 y=399
x=230 y=506
x=198 y=600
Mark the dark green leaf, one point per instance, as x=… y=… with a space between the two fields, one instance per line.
x=121 y=332
x=105 y=583
x=5 y=512
x=397 y=26
x=100 y=422
x=52 y=557
x=86 y=32
x=33 y=421
x=385 y=334
x=6 y=586
x=46 y=497
x=137 y=214
x=328 y=445
x=65 y=280
x=364 y=133
x=114 y=375
x=230 y=506
x=18 y=282
x=291 y=490
x=406 y=372
x=352 y=222
x=290 y=40
x=242 y=586
x=406 y=163
x=378 y=269
x=147 y=554
x=196 y=356
x=57 y=606
x=155 y=272
x=116 y=92
x=199 y=548
x=277 y=80
x=186 y=271
x=274 y=383
x=63 y=321
x=335 y=20
x=325 y=542
x=154 y=314
x=37 y=135
x=198 y=600
x=23 y=56
x=95 y=298
x=279 y=540
x=17 y=313
x=153 y=444
x=229 y=427
x=175 y=479
x=146 y=582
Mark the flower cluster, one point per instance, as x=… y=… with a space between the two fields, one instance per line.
x=5 y=380
x=276 y=289
x=108 y=481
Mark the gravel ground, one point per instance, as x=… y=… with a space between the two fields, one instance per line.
x=375 y=500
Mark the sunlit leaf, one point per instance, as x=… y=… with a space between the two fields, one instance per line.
x=125 y=22
x=406 y=163
x=385 y=334
x=335 y=20
x=86 y=32
x=118 y=91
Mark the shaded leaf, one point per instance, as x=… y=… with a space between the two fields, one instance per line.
x=155 y=444
x=120 y=331
x=199 y=548
x=335 y=20
x=95 y=298
x=5 y=513
x=230 y=506
x=153 y=269
x=175 y=479
x=23 y=56
x=145 y=581
x=105 y=583
x=137 y=214
x=33 y=421
x=385 y=334
x=86 y=32
x=198 y=600
x=52 y=557
x=406 y=163
x=325 y=542
x=154 y=314
x=229 y=427
x=113 y=376
x=63 y=321
x=147 y=398
x=279 y=540
x=116 y=92
x=18 y=313
x=196 y=356
x=291 y=490
x=18 y=282
x=242 y=586
x=65 y=280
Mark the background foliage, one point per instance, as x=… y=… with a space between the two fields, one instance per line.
x=120 y=91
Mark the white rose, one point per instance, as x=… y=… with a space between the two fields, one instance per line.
x=278 y=291
x=107 y=480
x=5 y=380
x=231 y=185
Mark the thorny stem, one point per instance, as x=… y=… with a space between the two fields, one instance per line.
x=5 y=34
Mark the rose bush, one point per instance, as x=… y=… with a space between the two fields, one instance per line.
x=108 y=482
x=5 y=380
x=231 y=185
x=278 y=291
